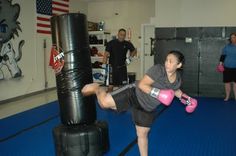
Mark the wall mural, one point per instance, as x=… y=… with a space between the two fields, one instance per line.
x=9 y=27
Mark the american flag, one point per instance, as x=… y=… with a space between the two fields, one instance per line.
x=46 y=9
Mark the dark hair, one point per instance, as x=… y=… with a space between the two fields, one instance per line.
x=231 y=36
x=178 y=55
x=122 y=29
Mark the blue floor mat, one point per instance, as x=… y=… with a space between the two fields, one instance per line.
x=209 y=131
x=38 y=139
x=18 y=122
x=35 y=142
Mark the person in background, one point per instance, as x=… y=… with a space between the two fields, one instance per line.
x=116 y=56
x=228 y=61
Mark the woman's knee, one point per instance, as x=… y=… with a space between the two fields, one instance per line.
x=103 y=103
x=142 y=132
x=107 y=102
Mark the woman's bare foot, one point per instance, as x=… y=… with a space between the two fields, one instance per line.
x=90 y=89
x=226 y=99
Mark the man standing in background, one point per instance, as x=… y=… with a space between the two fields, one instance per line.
x=116 y=51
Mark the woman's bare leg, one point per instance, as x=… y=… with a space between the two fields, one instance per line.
x=227 y=91
x=105 y=99
x=142 y=133
x=234 y=90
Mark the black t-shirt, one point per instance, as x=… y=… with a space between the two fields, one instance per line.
x=118 y=51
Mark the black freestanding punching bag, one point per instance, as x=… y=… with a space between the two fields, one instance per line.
x=86 y=140
x=79 y=134
x=70 y=37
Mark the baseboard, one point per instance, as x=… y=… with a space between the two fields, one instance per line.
x=26 y=95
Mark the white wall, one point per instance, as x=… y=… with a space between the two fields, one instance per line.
x=131 y=14
x=32 y=62
x=187 y=13
x=77 y=5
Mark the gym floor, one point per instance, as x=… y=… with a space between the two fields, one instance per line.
x=209 y=131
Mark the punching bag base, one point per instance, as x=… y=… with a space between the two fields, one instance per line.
x=82 y=140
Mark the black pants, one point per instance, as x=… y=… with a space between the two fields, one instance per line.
x=118 y=75
x=229 y=75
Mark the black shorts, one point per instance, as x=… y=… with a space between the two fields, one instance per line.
x=118 y=76
x=229 y=75
x=125 y=98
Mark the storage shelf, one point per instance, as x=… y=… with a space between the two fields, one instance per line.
x=99 y=75
x=97 y=45
x=98 y=32
x=97 y=57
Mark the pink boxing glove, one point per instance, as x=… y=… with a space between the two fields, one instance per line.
x=220 y=68
x=165 y=96
x=191 y=103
